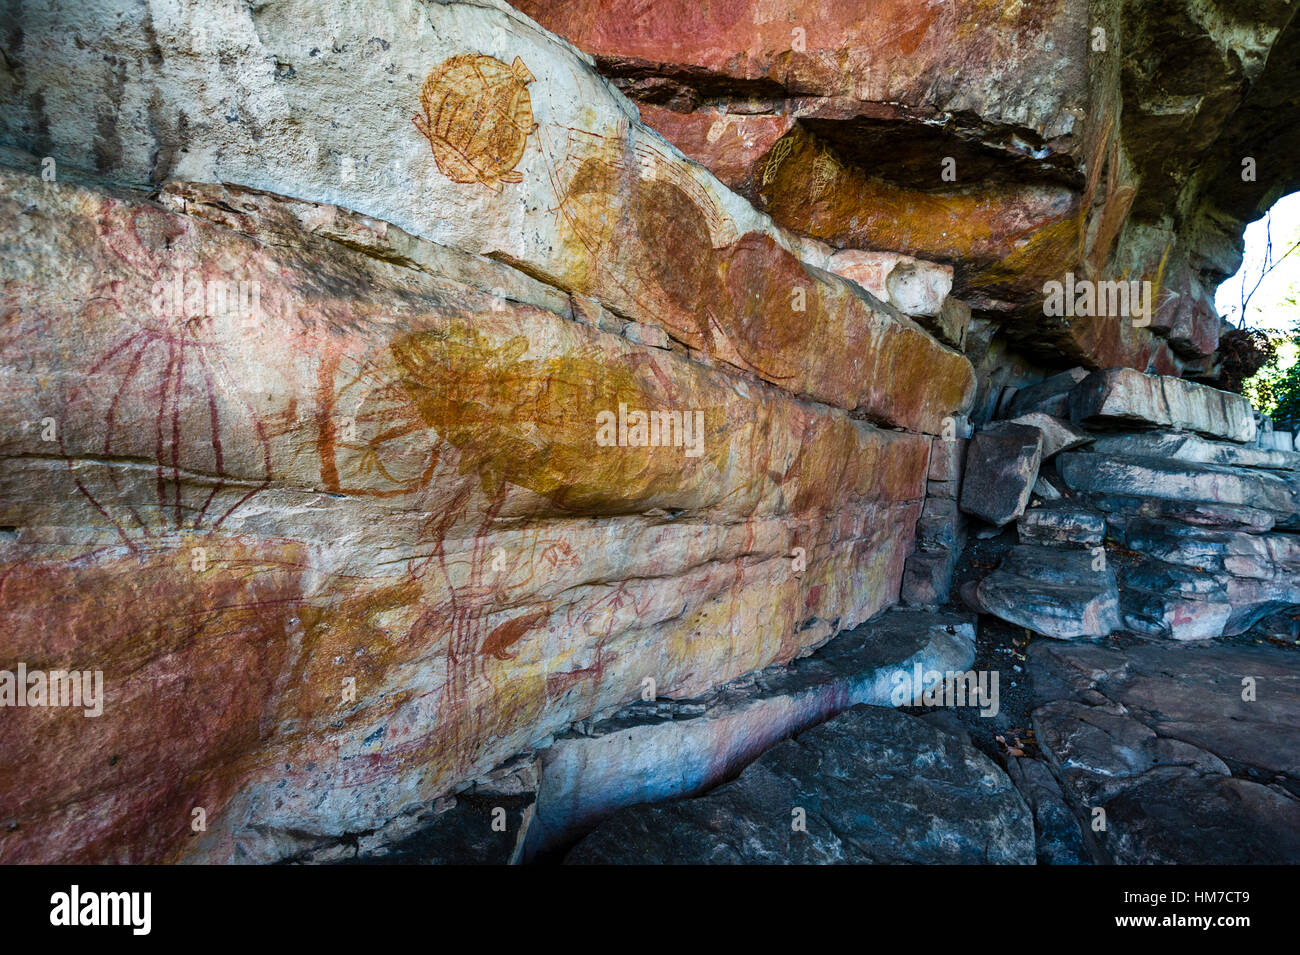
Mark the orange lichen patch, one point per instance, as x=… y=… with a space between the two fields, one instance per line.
x=190 y=662
x=808 y=189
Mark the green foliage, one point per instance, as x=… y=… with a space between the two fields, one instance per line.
x=1275 y=388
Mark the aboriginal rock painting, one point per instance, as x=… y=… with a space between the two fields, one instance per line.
x=370 y=436
x=640 y=223
x=167 y=392
x=454 y=418
x=477 y=118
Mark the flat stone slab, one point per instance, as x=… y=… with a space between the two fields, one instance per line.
x=1125 y=396
x=1184 y=446
x=1061 y=523
x=872 y=785
x=664 y=749
x=1149 y=477
x=1058 y=434
x=1191 y=750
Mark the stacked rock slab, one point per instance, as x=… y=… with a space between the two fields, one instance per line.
x=1197 y=518
x=941 y=531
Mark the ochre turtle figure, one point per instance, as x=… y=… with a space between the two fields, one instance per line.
x=477 y=117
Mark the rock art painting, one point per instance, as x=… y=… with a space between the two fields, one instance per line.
x=477 y=117
x=395 y=392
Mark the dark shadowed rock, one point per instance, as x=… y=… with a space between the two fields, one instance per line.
x=927 y=577
x=1059 y=839
x=1057 y=592
x=1001 y=468
x=1191 y=750
x=475 y=830
x=874 y=785
x=1049 y=396
x=1120 y=509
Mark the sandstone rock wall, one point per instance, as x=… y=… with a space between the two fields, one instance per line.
x=391 y=384
x=302 y=442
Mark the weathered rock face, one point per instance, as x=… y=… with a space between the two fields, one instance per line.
x=1190 y=751
x=387 y=392
x=473 y=451
x=1020 y=143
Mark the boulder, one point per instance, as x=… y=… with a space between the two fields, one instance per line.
x=1123 y=396
x=1183 y=603
x=1260 y=574
x=1001 y=468
x=1056 y=592
x=1121 y=509
x=871 y=785
x=927 y=577
x=919 y=288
